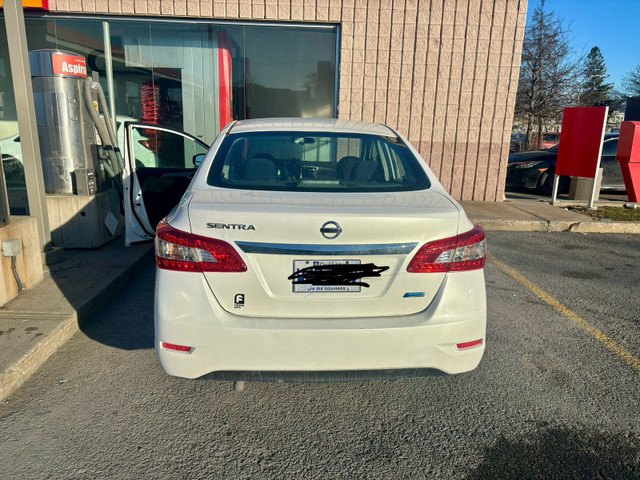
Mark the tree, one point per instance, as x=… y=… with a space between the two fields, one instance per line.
x=548 y=73
x=595 y=92
x=631 y=82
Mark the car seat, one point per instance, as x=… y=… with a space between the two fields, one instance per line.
x=344 y=170
x=261 y=169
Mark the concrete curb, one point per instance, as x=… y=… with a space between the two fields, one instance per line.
x=512 y=225
x=606 y=227
x=15 y=376
x=558 y=226
x=20 y=371
x=536 y=216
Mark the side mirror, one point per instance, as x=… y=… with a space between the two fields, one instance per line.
x=198 y=159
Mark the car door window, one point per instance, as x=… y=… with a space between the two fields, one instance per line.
x=162 y=161
x=154 y=148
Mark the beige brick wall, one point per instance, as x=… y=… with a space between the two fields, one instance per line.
x=442 y=72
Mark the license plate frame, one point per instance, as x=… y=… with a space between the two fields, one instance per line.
x=310 y=288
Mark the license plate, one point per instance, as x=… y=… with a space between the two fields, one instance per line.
x=326 y=287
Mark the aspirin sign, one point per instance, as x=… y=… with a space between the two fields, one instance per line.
x=69 y=65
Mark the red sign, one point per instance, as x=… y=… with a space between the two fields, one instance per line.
x=69 y=65
x=35 y=4
x=629 y=158
x=224 y=69
x=581 y=141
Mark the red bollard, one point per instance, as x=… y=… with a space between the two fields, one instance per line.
x=629 y=158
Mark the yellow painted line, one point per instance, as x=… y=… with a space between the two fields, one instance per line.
x=577 y=319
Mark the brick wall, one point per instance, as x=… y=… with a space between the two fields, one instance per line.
x=442 y=72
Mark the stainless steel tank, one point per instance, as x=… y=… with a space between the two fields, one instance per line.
x=64 y=127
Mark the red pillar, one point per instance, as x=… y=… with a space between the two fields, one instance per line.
x=629 y=158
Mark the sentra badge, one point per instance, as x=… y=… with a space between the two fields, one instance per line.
x=231 y=226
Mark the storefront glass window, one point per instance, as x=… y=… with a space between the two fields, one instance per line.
x=193 y=76
x=289 y=72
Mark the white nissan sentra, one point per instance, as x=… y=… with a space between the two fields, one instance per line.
x=317 y=248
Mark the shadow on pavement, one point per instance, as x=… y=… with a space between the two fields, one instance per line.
x=561 y=453
x=125 y=320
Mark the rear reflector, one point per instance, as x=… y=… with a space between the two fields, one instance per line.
x=475 y=343
x=179 y=348
x=466 y=251
x=183 y=251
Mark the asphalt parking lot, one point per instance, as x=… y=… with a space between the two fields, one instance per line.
x=556 y=395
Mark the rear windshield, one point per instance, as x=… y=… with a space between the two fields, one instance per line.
x=321 y=162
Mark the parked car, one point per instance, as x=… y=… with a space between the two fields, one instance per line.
x=548 y=140
x=536 y=169
x=12 y=160
x=317 y=247
x=14 y=174
x=10 y=146
x=517 y=142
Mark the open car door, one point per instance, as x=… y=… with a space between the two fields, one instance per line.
x=158 y=169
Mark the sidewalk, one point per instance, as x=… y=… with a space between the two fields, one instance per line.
x=36 y=323
x=539 y=216
x=39 y=321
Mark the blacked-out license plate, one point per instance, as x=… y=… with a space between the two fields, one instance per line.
x=299 y=265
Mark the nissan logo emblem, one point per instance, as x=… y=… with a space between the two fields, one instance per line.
x=330 y=230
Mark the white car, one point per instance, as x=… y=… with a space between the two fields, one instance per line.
x=317 y=249
x=10 y=147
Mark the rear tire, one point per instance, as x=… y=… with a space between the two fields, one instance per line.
x=545 y=183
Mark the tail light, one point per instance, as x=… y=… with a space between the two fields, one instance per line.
x=183 y=251
x=466 y=251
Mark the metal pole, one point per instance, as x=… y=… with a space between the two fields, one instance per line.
x=106 y=33
x=4 y=199
x=594 y=187
x=554 y=192
x=27 y=125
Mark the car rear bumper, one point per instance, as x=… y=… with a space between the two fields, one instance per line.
x=223 y=342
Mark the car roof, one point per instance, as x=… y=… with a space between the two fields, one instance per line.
x=311 y=125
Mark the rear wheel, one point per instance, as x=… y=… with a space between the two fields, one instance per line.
x=545 y=183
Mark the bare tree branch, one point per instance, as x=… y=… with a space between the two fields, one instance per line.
x=548 y=74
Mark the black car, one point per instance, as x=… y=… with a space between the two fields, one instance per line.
x=536 y=169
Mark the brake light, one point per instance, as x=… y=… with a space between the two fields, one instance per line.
x=466 y=251
x=183 y=251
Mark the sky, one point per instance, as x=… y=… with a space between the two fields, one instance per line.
x=611 y=25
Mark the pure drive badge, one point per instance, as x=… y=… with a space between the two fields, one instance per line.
x=238 y=300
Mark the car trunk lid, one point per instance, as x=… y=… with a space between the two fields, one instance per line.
x=315 y=255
